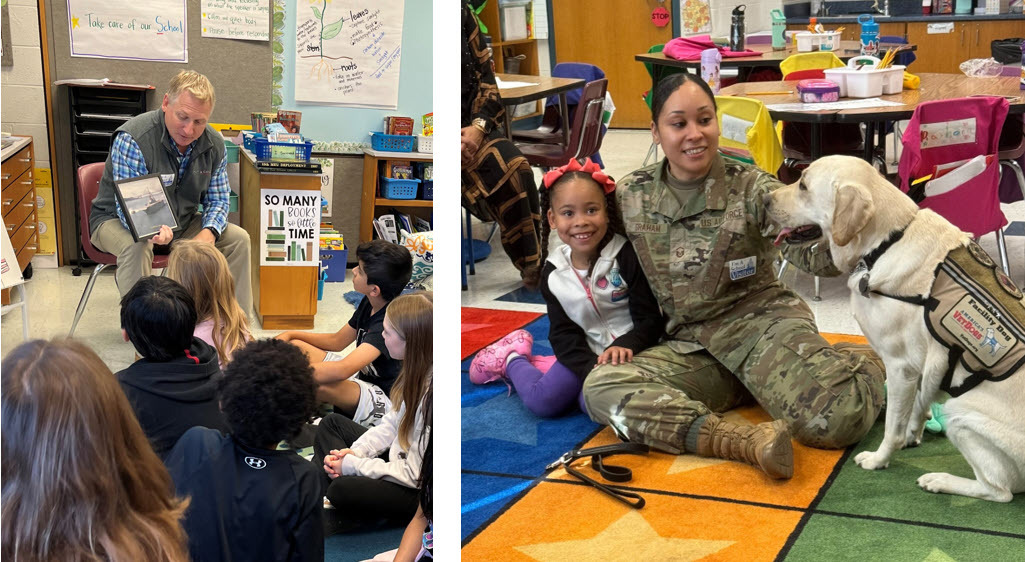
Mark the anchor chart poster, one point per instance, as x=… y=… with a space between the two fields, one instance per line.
x=146 y=30
x=348 y=52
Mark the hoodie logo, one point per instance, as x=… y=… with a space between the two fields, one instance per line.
x=617 y=280
x=256 y=462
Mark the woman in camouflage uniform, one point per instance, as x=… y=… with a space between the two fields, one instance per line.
x=735 y=335
x=498 y=183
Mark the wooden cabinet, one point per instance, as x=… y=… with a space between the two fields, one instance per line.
x=522 y=51
x=19 y=203
x=944 y=52
x=285 y=297
x=374 y=205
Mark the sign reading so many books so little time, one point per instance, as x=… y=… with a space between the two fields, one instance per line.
x=289 y=227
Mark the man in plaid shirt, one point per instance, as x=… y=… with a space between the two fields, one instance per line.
x=175 y=142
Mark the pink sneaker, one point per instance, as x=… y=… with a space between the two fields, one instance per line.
x=489 y=364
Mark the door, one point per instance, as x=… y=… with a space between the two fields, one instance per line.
x=607 y=34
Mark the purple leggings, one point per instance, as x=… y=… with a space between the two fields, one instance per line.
x=546 y=392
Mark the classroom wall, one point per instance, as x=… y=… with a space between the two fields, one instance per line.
x=756 y=16
x=23 y=102
x=416 y=71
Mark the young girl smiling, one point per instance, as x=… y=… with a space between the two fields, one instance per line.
x=600 y=307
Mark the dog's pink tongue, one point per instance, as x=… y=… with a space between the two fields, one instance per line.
x=782 y=234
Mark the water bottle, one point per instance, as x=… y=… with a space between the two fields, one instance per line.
x=710 y=61
x=779 y=26
x=869 y=35
x=737 y=29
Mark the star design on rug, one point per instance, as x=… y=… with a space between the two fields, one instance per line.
x=937 y=555
x=630 y=532
x=517 y=425
x=689 y=461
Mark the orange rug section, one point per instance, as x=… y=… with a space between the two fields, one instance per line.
x=556 y=521
x=483 y=326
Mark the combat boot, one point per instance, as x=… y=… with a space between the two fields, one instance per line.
x=766 y=445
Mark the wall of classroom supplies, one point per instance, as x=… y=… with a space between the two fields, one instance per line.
x=240 y=70
x=351 y=124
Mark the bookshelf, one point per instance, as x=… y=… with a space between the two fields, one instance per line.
x=507 y=49
x=372 y=205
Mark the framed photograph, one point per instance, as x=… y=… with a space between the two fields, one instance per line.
x=146 y=205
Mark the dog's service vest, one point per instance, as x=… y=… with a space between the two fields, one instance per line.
x=978 y=313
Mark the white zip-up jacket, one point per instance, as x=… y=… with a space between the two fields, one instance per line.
x=403 y=465
x=621 y=309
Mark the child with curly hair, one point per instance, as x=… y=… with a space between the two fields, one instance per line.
x=251 y=501
x=600 y=307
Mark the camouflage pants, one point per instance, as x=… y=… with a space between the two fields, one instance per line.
x=499 y=185
x=829 y=398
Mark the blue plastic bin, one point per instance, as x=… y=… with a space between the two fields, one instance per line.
x=428 y=190
x=392 y=143
x=266 y=150
x=392 y=188
x=334 y=263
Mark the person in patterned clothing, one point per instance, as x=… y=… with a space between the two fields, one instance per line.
x=498 y=184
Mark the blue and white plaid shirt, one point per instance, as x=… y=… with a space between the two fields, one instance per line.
x=128 y=162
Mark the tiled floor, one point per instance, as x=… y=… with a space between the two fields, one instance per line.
x=53 y=296
x=497 y=285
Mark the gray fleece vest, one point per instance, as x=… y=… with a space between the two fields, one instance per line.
x=185 y=192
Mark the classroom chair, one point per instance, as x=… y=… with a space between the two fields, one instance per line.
x=955 y=130
x=585 y=132
x=88 y=185
x=1012 y=150
x=551 y=124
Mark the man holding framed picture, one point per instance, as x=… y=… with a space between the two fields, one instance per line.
x=175 y=143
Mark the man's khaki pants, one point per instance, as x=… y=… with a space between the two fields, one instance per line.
x=135 y=259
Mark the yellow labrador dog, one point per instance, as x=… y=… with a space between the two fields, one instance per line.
x=895 y=252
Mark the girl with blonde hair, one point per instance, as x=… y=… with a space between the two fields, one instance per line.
x=202 y=269
x=373 y=473
x=80 y=480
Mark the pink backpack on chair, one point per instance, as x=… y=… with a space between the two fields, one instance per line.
x=949 y=131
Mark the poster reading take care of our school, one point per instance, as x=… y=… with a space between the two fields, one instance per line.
x=348 y=52
x=289 y=227
x=147 y=30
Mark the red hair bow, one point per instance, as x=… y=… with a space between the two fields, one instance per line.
x=604 y=181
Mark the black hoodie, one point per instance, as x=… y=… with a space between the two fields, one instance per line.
x=169 y=397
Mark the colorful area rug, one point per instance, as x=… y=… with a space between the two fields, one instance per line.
x=701 y=508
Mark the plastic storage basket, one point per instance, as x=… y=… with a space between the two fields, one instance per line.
x=392 y=188
x=424 y=144
x=428 y=190
x=266 y=150
x=392 y=143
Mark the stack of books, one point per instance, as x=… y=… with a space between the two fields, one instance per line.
x=288 y=166
x=389 y=226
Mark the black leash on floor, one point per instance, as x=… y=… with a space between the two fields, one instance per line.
x=609 y=472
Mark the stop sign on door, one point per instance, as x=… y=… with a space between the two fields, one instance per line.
x=660 y=17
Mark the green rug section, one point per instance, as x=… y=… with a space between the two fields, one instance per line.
x=827 y=537
x=894 y=493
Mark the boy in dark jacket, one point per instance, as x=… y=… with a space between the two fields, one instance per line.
x=251 y=501
x=173 y=387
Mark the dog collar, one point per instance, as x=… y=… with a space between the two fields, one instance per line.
x=870 y=258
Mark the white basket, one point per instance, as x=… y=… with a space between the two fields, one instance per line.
x=424 y=144
x=807 y=41
x=865 y=83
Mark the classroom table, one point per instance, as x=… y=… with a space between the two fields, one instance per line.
x=934 y=86
x=542 y=87
x=768 y=58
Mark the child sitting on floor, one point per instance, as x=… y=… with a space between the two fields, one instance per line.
x=203 y=270
x=372 y=473
x=600 y=306
x=173 y=386
x=249 y=500
x=358 y=384
x=80 y=480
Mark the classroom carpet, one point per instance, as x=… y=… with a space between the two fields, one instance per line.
x=698 y=508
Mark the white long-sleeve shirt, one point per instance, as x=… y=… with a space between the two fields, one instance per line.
x=403 y=464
